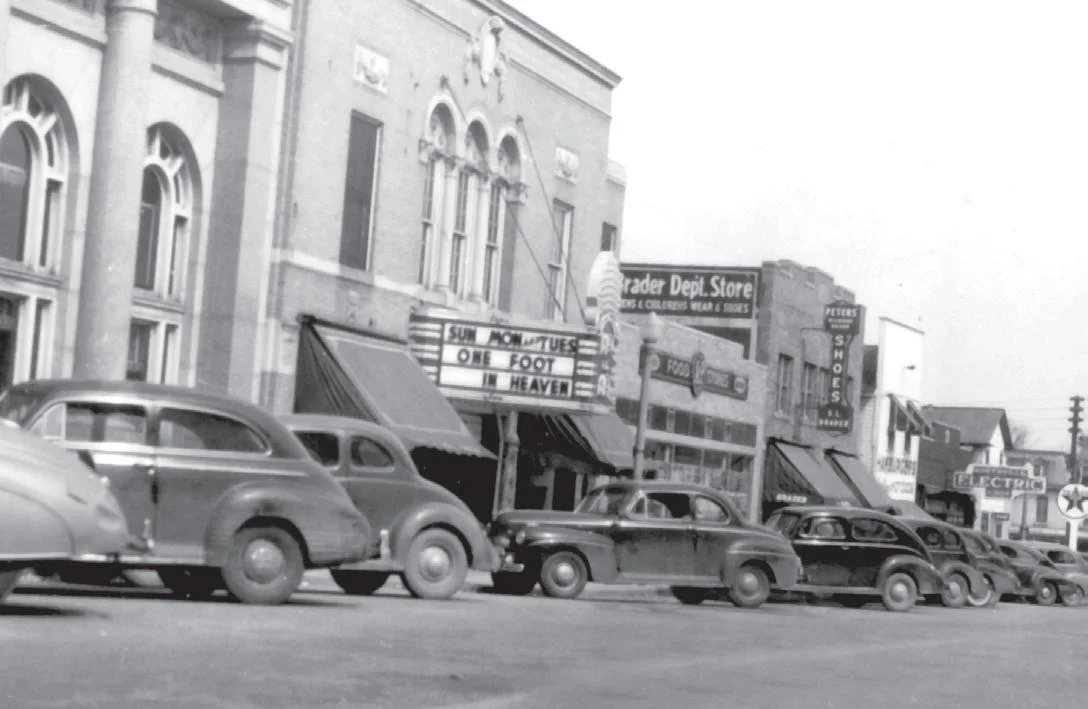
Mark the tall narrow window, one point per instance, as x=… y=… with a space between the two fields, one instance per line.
x=809 y=390
x=33 y=172
x=139 y=350
x=39 y=356
x=15 y=166
x=609 y=237
x=360 y=188
x=429 y=210
x=459 y=248
x=437 y=146
x=784 y=402
x=493 y=246
x=557 y=265
x=147 y=244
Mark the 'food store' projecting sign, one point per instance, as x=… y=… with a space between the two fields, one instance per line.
x=690 y=290
x=504 y=363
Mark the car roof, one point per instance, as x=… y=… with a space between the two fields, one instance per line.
x=840 y=511
x=1046 y=545
x=661 y=486
x=347 y=425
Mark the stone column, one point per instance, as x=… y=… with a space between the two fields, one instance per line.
x=109 y=258
x=479 y=244
x=242 y=218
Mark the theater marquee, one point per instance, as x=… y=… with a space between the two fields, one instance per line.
x=508 y=363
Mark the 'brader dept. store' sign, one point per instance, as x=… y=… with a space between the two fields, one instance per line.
x=503 y=363
x=690 y=290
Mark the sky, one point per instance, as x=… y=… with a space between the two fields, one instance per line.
x=931 y=156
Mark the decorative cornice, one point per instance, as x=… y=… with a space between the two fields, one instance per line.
x=188 y=31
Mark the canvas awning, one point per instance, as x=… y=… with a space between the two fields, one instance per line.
x=610 y=437
x=794 y=472
x=348 y=372
x=850 y=468
x=906 y=416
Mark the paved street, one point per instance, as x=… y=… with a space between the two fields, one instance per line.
x=140 y=649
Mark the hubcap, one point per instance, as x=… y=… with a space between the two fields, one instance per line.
x=564 y=573
x=435 y=563
x=954 y=589
x=264 y=561
x=748 y=584
x=898 y=592
x=1045 y=592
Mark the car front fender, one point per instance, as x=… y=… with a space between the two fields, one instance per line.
x=333 y=531
x=482 y=555
x=975 y=580
x=599 y=551
x=929 y=577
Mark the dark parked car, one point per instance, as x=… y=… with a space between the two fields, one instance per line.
x=1069 y=563
x=1040 y=580
x=52 y=507
x=996 y=569
x=428 y=535
x=688 y=536
x=966 y=583
x=856 y=553
x=218 y=492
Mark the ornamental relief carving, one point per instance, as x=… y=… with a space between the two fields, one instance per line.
x=188 y=31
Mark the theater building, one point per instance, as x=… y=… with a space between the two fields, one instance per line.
x=442 y=202
x=138 y=153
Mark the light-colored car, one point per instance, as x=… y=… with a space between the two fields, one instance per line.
x=54 y=508
x=1071 y=564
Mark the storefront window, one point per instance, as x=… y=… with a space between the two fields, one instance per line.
x=681 y=423
x=698 y=426
x=738 y=480
x=659 y=418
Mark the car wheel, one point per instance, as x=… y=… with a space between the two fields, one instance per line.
x=750 y=588
x=1046 y=594
x=563 y=575
x=689 y=595
x=954 y=595
x=8 y=581
x=519 y=583
x=986 y=599
x=359 y=583
x=436 y=565
x=1073 y=599
x=264 y=566
x=900 y=593
x=195 y=583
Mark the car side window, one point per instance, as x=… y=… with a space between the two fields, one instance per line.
x=951 y=540
x=367 y=454
x=875 y=530
x=1009 y=551
x=322 y=446
x=931 y=537
x=1061 y=557
x=668 y=505
x=708 y=510
x=975 y=546
x=823 y=528
x=93 y=422
x=187 y=429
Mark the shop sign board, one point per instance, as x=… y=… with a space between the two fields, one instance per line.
x=1073 y=501
x=842 y=322
x=521 y=365
x=999 y=480
x=694 y=373
x=708 y=291
x=603 y=298
x=898 y=475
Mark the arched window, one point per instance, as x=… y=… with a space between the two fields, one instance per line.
x=466 y=208
x=166 y=211
x=165 y=214
x=33 y=172
x=439 y=151
x=500 y=203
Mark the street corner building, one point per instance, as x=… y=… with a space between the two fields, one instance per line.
x=136 y=139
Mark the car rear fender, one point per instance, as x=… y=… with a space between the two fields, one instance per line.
x=598 y=551
x=975 y=580
x=481 y=555
x=927 y=576
x=1049 y=575
x=305 y=511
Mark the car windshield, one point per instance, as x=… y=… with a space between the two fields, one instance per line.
x=605 y=501
x=16 y=405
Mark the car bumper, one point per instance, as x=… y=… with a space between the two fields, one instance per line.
x=506 y=560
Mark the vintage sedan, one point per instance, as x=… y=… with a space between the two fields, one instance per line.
x=966 y=582
x=428 y=535
x=687 y=536
x=855 y=554
x=995 y=567
x=54 y=508
x=1040 y=580
x=217 y=492
x=1069 y=563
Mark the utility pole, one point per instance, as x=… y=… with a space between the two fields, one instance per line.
x=1074 y=430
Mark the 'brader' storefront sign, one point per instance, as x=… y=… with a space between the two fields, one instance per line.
x=842 y=321
x=505 y=363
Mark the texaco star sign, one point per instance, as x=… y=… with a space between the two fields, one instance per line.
x=1073 y=501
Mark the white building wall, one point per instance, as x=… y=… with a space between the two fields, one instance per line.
x=899 y=373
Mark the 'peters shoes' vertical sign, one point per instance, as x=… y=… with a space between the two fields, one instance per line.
x=842 y=322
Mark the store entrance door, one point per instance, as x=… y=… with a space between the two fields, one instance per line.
x=9 y=326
